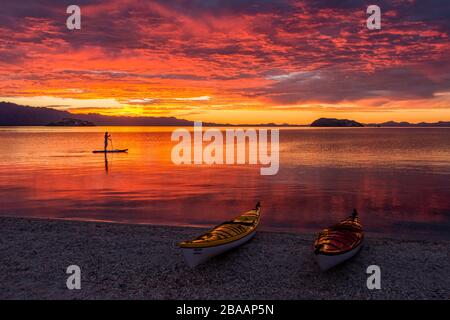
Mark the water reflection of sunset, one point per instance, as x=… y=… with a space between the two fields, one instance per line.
x=324 y=173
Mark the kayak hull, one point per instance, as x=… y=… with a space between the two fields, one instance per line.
x=327 y=262
x=111 y=151
x=196 y=256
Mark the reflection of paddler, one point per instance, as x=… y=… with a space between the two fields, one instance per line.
x=107 y=138
x=106 y=163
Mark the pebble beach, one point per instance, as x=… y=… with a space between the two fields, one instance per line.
x=120 y=261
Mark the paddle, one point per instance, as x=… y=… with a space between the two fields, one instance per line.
x=112 y=146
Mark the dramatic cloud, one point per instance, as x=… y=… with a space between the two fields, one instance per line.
x=249 y=55
x=334 y=85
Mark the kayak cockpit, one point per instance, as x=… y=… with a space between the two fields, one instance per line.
x=339 y=238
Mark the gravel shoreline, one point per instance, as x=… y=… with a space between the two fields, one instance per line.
x=121 y=261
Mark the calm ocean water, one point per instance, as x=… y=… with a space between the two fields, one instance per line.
x=398 y=179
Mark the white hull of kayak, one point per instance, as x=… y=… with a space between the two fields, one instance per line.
x=195 y=256
x=329 y=261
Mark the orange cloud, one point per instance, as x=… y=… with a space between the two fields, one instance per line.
x=251 y=59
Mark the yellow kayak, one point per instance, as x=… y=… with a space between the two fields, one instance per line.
x=221 y=238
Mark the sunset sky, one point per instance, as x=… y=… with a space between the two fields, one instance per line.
x=230 y=61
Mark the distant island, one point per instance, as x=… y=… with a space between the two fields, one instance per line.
x=70 y=122
x=332 y=122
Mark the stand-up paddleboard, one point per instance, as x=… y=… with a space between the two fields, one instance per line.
x=111 y=151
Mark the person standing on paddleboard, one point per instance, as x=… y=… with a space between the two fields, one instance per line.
x=107 y=138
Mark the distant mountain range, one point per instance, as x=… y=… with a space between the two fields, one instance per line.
x=16 y=115
x=407 y=124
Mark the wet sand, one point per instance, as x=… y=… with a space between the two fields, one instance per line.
x=121 y=261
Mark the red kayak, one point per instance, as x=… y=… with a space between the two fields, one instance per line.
x=339 y=242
